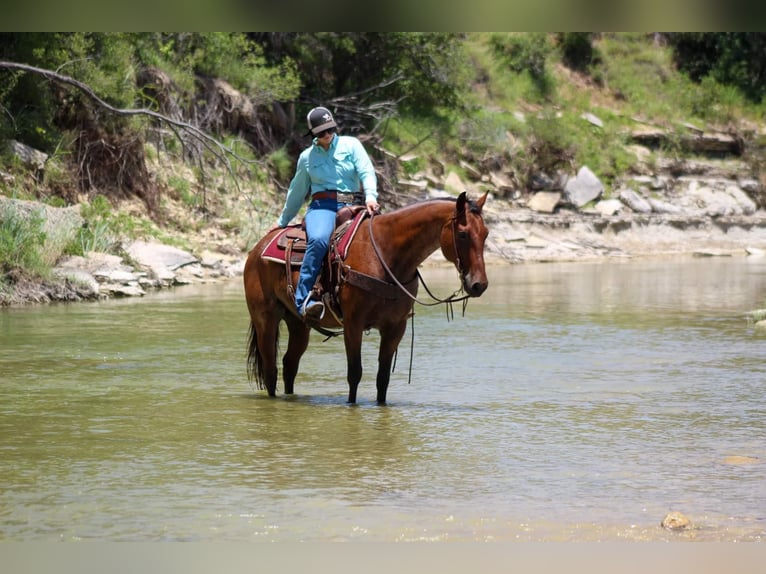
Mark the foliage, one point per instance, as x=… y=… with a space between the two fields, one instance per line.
x=733 y=58
x=577 y=50
x=527 y=54
x=233 y=57
x=22 y=241
x=103 y=228
x=282 y=165
x=422 y=73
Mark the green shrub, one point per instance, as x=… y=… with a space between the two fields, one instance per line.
x=22 y=241
x=577 y=50
x=527 y=54
x=95 y=234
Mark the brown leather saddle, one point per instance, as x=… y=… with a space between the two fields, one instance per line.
x=288 y=247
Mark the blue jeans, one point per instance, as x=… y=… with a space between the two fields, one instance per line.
x=320 y=224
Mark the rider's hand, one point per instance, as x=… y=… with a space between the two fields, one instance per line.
x=373 y=207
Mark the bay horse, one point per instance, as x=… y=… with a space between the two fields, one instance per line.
x=387 y=250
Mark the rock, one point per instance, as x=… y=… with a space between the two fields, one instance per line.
x=675 y=521
x=710 y=201
x=609 y=206
x=159 y=257
x=60 y=224
x=544 y=201
x=470 y=170
x=454 y=183
x=123 y=290
x=413 y=185
x=741 y=460
x=746 y=204
x=634 y=201
x=540 y=181
x=583 y=188
x=749 y=185
x=588 y=117
x=711 y=253
x=659 y=206
x=79 y=276
x=29 y=156
x=501 y=184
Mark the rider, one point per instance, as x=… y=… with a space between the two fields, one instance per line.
x=332 y=166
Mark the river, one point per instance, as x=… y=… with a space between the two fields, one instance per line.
x=573 y=401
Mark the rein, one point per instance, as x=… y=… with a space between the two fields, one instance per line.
x=436 y=300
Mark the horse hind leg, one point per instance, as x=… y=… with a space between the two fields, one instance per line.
x=297 y=344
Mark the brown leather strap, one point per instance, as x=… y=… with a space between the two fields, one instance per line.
x=378 y=287
x=288 y=269
x=324 y=195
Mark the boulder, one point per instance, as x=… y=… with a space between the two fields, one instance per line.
x=544 y=201
x=583 y=188
x=675 y=521
x=158 y=257
x=659 y=206
x=609 y=206
x=454 y=183
x=634 y=201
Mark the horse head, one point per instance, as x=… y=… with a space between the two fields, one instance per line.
x=462 y=243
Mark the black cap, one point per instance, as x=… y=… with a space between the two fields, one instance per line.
x=319 y=119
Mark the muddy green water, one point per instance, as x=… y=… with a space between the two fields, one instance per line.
x=578 y=401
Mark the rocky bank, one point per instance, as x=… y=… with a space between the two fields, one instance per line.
x=709 y=207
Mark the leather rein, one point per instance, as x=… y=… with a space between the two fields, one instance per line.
x=454 y=298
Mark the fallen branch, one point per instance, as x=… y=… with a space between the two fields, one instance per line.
x=219 y=150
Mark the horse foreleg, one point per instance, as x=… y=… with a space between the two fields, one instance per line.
x=297 y=344
x=389 y=342
x=353 y=341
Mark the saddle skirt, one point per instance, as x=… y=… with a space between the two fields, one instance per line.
x=347 y=223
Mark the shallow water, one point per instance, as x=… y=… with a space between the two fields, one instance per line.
x=573 y=401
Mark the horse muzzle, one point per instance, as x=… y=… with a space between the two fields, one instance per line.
x=474 y=287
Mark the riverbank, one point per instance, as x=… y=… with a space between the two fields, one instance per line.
x=517 y=235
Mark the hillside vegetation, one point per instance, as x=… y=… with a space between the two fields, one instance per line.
x=185 y=136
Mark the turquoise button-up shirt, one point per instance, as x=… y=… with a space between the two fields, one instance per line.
x=344 y=167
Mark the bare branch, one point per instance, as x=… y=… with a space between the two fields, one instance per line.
x=219 y=150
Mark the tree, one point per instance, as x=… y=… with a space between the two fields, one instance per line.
x=735 y=58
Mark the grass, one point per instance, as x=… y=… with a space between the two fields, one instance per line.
x=22 y=242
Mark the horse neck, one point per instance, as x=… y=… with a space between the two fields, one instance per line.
x=411 y=234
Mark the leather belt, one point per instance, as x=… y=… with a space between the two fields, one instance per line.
x=331 y=195
x=324 y=195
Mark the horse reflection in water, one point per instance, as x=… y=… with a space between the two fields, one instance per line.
x=379 y=281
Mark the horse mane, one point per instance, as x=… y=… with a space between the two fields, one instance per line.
x=473 y=208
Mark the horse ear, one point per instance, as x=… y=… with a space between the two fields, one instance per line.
x=461 y=201
x=481 y=200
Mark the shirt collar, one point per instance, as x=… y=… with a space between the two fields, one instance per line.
x=333 y=143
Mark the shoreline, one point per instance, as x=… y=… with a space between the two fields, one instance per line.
x=517 y=236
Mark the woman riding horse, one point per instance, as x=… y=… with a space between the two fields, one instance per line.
x=383 y=261
x=333 y=166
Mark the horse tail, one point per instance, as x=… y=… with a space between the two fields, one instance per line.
x=254 y=363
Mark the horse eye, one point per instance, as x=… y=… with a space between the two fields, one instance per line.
x=462 y=235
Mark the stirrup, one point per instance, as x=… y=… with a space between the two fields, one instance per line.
x=312 y=310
